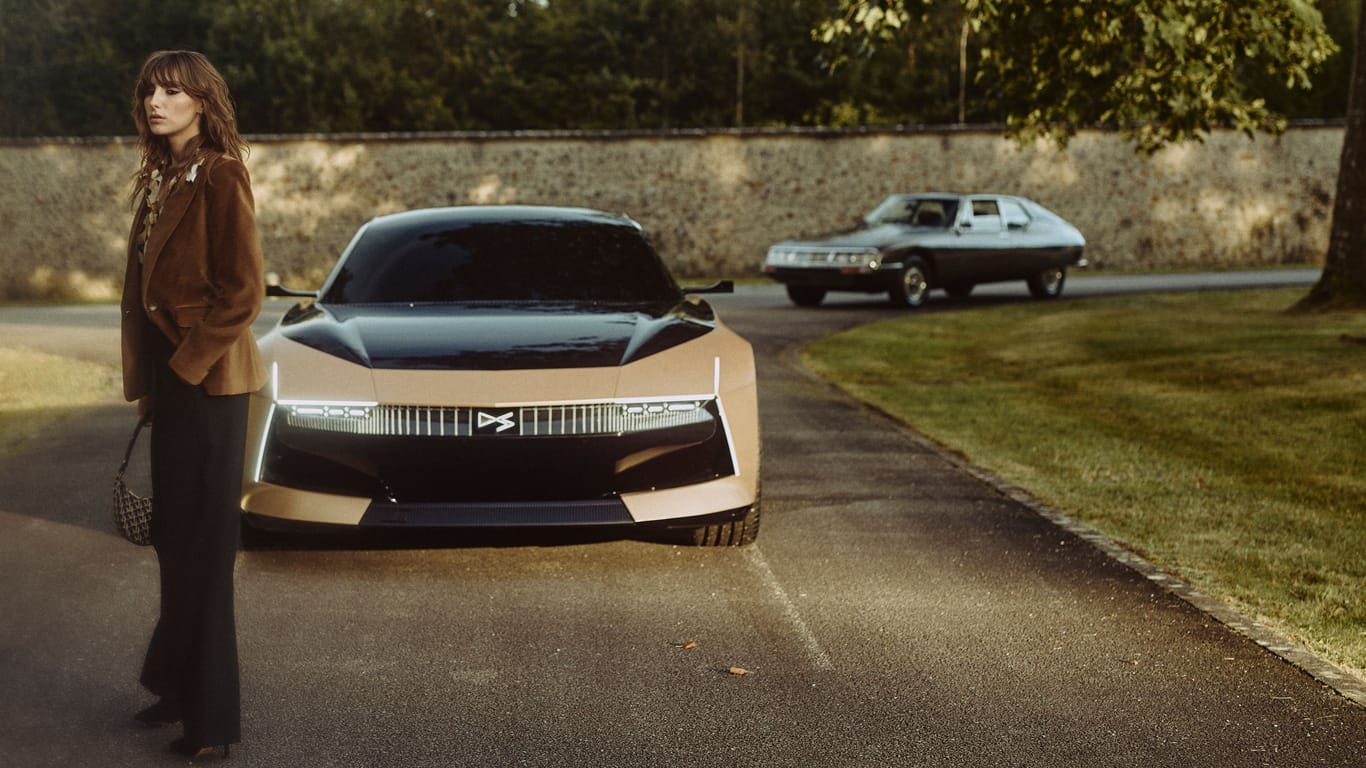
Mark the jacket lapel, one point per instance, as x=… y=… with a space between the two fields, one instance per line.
x=172 y=211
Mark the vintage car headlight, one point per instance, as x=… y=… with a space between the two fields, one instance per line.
x=814 y=257
x=780 y=256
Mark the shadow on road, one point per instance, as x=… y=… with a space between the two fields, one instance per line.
x=349 y=539
x=65 y=475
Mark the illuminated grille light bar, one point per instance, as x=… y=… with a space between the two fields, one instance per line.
x=464 y=421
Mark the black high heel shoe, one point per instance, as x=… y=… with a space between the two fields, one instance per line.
x=161 y=713
x=182 y=747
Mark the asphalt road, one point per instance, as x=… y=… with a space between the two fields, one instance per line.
x=896 y=611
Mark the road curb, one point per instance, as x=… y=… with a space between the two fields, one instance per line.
x=1345 y=683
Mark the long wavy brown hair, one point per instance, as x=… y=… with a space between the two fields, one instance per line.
x=192 y=73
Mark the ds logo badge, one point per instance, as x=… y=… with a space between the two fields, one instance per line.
x=496 y=423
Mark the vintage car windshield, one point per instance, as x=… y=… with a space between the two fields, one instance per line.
x=523 y=261
x=920 y=211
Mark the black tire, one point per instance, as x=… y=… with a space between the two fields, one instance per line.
x=912 y=285
x=252 y=537
x=961 y=291
x=737 y=533
x=805 y=295
x=1047 y=284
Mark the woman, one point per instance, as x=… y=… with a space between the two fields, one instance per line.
x=193 y=286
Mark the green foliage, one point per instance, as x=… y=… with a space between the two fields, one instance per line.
x=1328 y=94
x=399 y=65
x=900 y=60
x=395 y=65
x=403 y=65
x=1161 y=70
x=337 y=66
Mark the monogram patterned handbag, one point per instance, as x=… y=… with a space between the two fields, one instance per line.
x=132 y=513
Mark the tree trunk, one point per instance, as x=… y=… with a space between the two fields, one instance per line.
x=963 y=72
x=1343 y=283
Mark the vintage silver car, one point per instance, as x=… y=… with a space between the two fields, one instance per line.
x=913 y=243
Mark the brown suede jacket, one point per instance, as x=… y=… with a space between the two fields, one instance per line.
x=201 y=284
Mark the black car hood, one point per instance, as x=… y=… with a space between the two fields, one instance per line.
x=494 y=337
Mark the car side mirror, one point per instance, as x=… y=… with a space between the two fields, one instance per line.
x=273 y=288
x=720 y=286
x=279 y=291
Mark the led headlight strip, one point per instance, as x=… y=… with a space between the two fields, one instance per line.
x=593 y=418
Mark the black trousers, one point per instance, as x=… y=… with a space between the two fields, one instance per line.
x=198 y=441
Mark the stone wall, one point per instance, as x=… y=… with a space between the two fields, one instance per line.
x=712 y=201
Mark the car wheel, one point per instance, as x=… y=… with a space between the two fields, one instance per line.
x=960 y=291
x=736 y=533
x=1048 y=284
x=805 y=295
x=912 y=285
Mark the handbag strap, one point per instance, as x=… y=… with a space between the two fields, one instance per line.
x=127 y=454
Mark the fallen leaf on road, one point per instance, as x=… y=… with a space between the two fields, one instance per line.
x=738 y=671
x=688 y=646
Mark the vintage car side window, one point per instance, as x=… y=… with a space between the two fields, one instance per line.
x=931 y=213
x=986 y=216
x=917 y=211
x=1014 y=215
x=893 y=210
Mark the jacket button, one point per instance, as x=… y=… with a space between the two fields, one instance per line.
x=151 y=307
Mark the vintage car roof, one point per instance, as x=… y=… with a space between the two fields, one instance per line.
x=957 y=194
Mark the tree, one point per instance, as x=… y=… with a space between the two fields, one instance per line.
x=1343 y=282
x=69 y=65
x=913 y=52
x=1161 y=71
x=363 y=65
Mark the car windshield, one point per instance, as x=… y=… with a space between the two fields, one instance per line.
x=919 y=211
x=520 y=261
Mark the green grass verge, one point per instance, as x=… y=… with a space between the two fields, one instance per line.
x=1213 y=433
x=37 y=389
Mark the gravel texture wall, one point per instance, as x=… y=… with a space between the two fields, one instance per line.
x=713 y=202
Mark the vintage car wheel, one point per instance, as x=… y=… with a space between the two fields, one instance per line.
x=737 y=533
x=1047 y=285
x=805 y=295
x=912 y=286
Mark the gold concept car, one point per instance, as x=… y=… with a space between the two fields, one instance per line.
x=505 y=366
